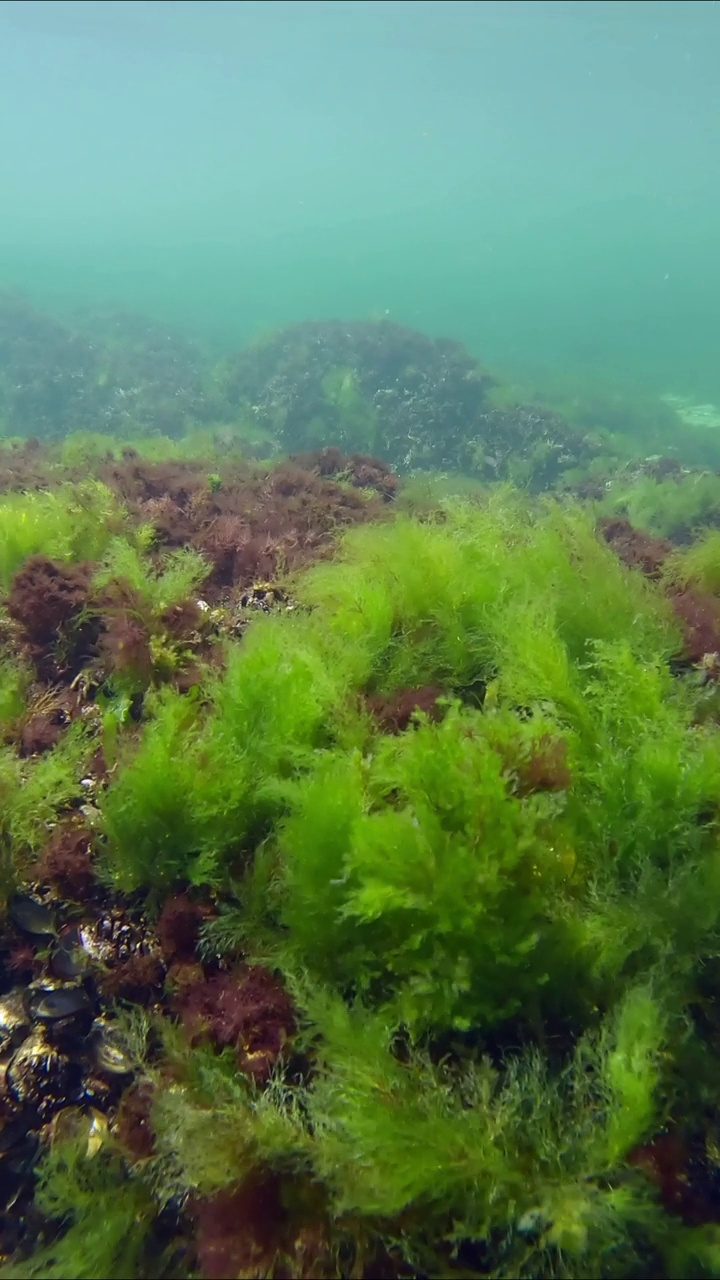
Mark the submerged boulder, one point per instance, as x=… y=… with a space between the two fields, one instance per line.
x=416 y=402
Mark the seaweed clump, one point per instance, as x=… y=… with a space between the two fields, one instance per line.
x=49 y=602
x=636 y=549
x=434 y=866
x=248 y=1011
x=696 y=608
x=395 y=713
x=259 y=521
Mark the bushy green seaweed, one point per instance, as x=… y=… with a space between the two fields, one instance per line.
x=103 y=1214
x=159 y=587
x=441 y=600
x=139 y=594
x=149 y=815
x=495 y=925
x=421 y=875
x=15 y=680
x=74 y=522
x=419 y=872
x=212 y=443
x=672 y=507
x=32 y=792
x=527 y=1165
x=697 y=565
x=200 y=791
x=357 y=425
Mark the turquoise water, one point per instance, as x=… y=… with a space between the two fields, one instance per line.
x=539 y=179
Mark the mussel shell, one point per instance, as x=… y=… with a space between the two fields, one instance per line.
x=532 y=1224
x=53 y=1003
x=16 y=1171
x=80 y=1124
x=12 y=1132
x=111 y=1053
x=113 y=937
x=32 y=916
x=68 y=960
x=116 y=935
x=99 y=1093
x=24 y=1153
x=96 y=942
x=14 y=1019
x=39 y=1076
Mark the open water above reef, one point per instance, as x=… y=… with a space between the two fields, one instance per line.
x=536 y=178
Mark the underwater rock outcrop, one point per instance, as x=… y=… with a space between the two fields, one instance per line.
x=382 y=388
x=112 y=373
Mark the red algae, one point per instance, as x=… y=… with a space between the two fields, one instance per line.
x=394 y=712
x=699 y=615
x=636 y=549
x=66 y=862
x=248 y=1009
x=49 y=603
x=546 y=769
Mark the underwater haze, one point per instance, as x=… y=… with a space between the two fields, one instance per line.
x=359 y=640
x=539 y=179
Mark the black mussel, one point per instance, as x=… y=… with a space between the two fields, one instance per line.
x=32 y=916
x=111 y=1053
x=168 y=1230
x=96 y=940
x=24 y=1153
x=47 y=1003
x=16 y=1171
x=98 y=1092
x=176 y=1206
x=68 y=960
x=12 y=1131
x=112 y=938
x=116 y=936
x=83 y=1124
x=42 y=1078
x=14 y=1020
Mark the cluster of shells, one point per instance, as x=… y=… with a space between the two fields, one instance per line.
x=262 y=597
x=64 y=1061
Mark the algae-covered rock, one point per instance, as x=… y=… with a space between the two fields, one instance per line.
x=108 y=373
x=415 y=401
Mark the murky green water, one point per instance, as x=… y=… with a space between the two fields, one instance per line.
x=538 y=179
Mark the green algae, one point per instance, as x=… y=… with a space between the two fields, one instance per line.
x=495 y=964
x=74 y=522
